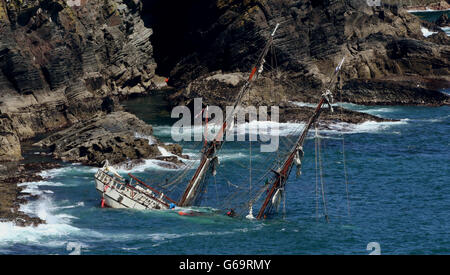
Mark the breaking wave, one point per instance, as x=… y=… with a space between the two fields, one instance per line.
x=293 y=129
x=426 y=32
x=372 y=110
x=365 y=127
x=75 y=169
x=54 y=233
x=446 y=30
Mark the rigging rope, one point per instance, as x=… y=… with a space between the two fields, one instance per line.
x=343 y=152
x=317 y=174
x=321 y=179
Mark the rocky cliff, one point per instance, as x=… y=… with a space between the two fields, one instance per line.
x=59 y=64
x=62 y=64
x=382 y=45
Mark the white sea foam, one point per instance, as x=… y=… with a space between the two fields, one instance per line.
x=158 y=237
x=33 y=187
x=303 y=104
x=254 y=127
x=11 y=234
x=446 y=30
x=342 y=127
x=151 y=140
x=426 y=32
x=41 y=183
x=54 y=233
x=164 y=152
x=355 y=107
x=73 y=168
x=151 y=164
x=78 y=204
x=365 y=127
x=426 y=10
x=57 y=226
x=289 y=128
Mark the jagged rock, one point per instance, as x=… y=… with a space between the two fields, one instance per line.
x=12 y=195
x=174 y=148
x=398 y=91
x=266 y=92
x=10 y=149
x=443 y=20
x=113 y=137
x=302 y=114
x=220 y=89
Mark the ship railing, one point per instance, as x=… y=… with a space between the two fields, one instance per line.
x=152 y=189
x=113 y=182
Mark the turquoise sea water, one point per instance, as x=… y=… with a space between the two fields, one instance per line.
x=432 y=16
x=399 y=196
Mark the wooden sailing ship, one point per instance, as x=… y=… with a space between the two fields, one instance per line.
x=117 y=192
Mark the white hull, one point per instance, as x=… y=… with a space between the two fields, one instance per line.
x=117 y=194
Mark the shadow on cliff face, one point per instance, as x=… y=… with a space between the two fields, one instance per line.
x=176 y=28
x=193 y=38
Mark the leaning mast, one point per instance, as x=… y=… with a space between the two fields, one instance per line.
x=190 y=194
x=296 y=153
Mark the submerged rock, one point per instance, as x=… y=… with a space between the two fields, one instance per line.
x=292 y=113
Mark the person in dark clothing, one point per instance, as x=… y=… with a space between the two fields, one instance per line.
x=231 y=213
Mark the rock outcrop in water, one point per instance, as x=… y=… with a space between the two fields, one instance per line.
x=428 y=4
x=443 y=20
x=117 y=137
x=264 y=92
x=12 y=195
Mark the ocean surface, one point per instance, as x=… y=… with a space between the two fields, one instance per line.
x=432 y=16
x=398 y=196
